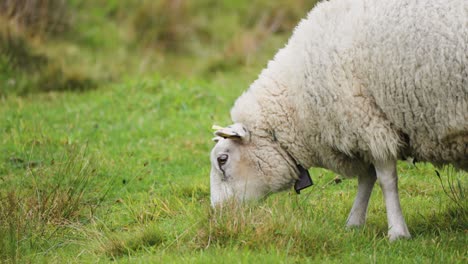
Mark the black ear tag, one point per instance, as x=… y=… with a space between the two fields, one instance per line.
x=304 y=180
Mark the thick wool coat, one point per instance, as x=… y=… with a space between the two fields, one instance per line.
x=362 y=81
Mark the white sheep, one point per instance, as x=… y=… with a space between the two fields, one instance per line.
x=360 y=84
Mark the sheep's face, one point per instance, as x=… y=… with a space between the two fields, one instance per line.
x=242 y=169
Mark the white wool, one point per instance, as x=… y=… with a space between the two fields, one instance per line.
x=367 y=80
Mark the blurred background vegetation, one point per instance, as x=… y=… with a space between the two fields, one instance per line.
x=117 y=168
x=58 y=45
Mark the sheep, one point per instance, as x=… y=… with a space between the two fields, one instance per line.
x=359 y=85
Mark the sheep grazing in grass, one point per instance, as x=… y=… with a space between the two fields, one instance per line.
x=360 y=84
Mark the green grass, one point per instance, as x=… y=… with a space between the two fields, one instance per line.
x=140 y=149
x=91 y=44
x=121 y=172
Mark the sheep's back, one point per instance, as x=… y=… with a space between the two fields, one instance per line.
x=415 y=68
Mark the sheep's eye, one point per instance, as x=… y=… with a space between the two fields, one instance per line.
x=222 y=159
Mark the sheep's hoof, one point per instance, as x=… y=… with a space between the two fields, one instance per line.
x=355 y=222
x=394 y=236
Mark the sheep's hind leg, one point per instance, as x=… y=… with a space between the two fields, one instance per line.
x=357 y=216
x=388 y=180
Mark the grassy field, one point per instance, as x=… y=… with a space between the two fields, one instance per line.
x=117 y=168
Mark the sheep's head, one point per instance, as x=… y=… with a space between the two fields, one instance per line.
x=248 y=167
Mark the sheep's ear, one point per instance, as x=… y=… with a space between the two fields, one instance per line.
x=235 y=131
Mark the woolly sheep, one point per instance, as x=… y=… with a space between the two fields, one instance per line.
x=360 y=84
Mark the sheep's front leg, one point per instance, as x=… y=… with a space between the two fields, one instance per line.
x=357 y=216
x=388 y=180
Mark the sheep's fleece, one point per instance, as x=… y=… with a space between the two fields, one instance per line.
x=360 y=84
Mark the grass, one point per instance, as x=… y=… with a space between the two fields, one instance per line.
x=120 y=172
x=44 y=199
x=81 y=44
x=145 y=196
